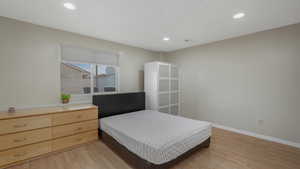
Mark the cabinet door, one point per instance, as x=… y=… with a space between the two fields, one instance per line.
x=164 y=99
x=164 y=71
x=174 y=72
x=174 y=85
x=174 y=110
x=174 y=98
x=164 y=85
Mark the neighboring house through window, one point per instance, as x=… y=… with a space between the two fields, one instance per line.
x=105 y=78
x=91 y=77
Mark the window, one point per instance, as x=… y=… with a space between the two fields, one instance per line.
x=87 y=78
x=88 y=71
x=104 y=79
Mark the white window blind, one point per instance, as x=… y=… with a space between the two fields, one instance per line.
x=85 y=55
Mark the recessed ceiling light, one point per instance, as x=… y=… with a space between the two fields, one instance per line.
x=166 y=38
x=69 y=5
x=239 y=15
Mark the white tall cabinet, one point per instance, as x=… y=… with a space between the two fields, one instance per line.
x=162 y=87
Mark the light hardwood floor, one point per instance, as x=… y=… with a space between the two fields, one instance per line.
x=227 y=151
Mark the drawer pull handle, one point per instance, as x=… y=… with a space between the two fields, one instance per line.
x=79 y=116
x=20 y=154
x=19 y=140
x=20 y=125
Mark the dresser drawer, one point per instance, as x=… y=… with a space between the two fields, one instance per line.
x=23 y=124
x=75 y=116
x=23 y=153
x=24 y=138
x=69 y=141
x=74 y=128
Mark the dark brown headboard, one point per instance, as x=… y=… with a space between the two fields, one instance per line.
x=115 y=104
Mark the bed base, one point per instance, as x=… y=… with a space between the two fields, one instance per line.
x=139 y=163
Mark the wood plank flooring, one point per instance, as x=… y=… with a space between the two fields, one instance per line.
x=227 y=151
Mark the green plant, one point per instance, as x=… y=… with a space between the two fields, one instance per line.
x=65 y=96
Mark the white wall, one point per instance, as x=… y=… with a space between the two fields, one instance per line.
x=30 y=63
x=250 y=83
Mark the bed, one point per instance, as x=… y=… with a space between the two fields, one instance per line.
x=147 y=139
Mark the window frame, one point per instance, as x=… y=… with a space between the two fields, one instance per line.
x=93 y=73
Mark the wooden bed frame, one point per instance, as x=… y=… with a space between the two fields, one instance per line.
x=115 y=104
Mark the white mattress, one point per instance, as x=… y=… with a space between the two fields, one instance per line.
x=154 y=136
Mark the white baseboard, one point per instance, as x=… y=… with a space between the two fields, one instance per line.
x=260 y=136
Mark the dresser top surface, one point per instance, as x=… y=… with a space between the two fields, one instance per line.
x=45 y=110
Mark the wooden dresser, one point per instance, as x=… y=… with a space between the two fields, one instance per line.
x=27 y=134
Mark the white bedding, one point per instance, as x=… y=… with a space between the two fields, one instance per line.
x=154 y=136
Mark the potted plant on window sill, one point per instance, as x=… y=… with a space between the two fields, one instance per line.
x=65 y=98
